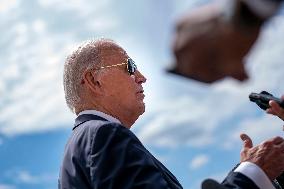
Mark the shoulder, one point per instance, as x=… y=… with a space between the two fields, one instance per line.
x=113 y=134
x=109 y=128
x=95 y=135
x=97 y=128
x=90 y=130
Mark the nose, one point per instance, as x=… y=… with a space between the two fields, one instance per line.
x=139 y=77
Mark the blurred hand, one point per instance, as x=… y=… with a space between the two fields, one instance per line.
x=269 y=155
x=275 y=109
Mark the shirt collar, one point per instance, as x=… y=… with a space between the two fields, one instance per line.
x=101 y=114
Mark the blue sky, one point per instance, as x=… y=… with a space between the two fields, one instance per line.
x=191 y=127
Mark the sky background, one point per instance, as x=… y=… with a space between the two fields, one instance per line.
x=193 y=128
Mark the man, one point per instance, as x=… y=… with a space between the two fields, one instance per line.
x=104 y=88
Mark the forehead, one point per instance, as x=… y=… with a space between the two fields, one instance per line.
x=114 y=56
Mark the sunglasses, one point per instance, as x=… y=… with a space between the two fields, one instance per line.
x=130 y=66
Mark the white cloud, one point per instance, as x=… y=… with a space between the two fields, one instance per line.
x=103 y=23
x=20 y=28
x=6 y=186
x=8 y=5
x=20 y=34
x=82 y=8
x=191 y=120
x=96 y=16
x=32 y=83
x=39 y=26
x=25 y=177
x=199 y=161
x=166 y=129
x=258 y=128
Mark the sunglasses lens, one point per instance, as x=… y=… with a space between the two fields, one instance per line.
x=131 y=67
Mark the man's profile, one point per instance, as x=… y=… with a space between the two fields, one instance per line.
x=103 y=87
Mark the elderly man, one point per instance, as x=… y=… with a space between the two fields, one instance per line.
x=104 y=88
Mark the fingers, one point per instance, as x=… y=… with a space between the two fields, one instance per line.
x=247 y=142
x=270 y=111
x=275 y=141
x=272 y=152
x=275 y=109
x=268 y=155
x=278 y=140
x=274 y=106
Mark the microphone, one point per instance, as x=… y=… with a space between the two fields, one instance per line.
x=211 y=184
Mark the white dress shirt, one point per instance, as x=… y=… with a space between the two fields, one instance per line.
x=256 y=174
x=101 y=114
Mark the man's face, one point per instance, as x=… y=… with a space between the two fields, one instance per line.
x=122 y=91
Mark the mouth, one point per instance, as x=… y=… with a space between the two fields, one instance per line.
x=141 y=93
x=139 y=89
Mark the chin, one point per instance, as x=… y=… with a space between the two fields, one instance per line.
x=138 y=108
x=142 y=108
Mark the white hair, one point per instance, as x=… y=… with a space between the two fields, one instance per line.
x=87 y=56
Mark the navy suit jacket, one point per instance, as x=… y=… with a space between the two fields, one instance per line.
x=106 y=155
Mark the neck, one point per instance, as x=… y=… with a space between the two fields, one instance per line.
x=126 y=120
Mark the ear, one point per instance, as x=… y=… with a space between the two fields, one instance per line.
x=92 y=82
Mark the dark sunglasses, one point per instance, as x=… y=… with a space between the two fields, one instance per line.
x=130 y=66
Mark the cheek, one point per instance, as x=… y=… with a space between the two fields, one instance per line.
x=119 y=89
x=126 y=95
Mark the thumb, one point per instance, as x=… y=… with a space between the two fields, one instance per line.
x=247 y=142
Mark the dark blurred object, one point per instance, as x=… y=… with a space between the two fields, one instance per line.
x=211 y=184
x=262 y=99
x=279 y=182
x=211 y=41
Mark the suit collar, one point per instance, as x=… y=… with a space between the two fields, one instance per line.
x=100 y=114
x=86 y=117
